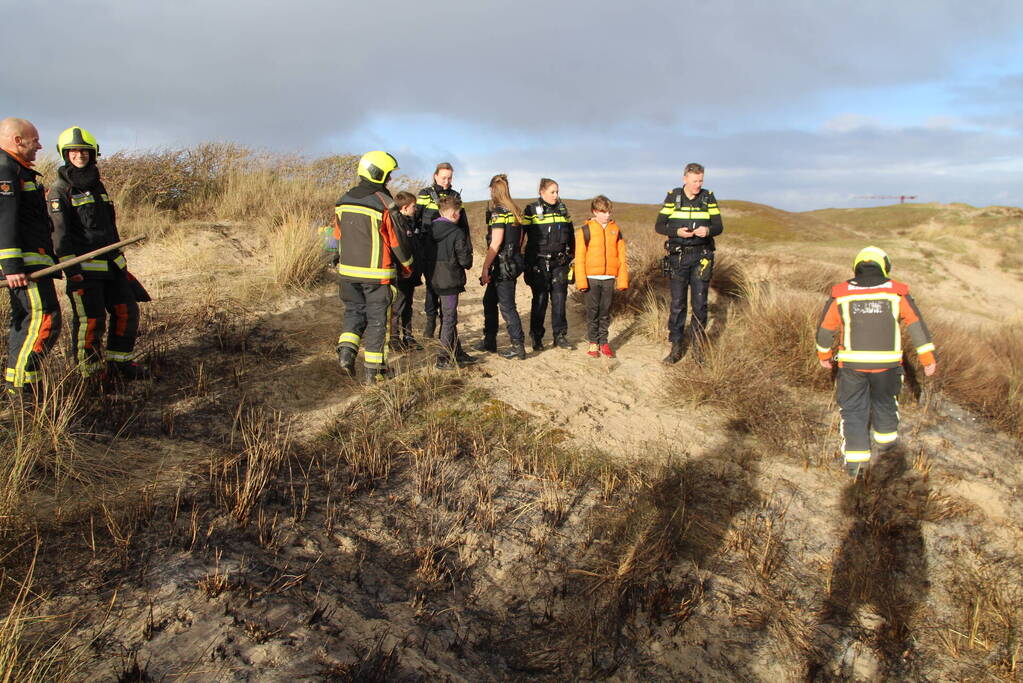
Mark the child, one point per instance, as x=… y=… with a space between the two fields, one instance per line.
x=600 y=268
x=454 y=257
x=863 y=314
x=401 y=311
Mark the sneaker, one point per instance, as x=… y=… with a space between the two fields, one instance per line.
x=594 y=351
x=516 y=352
x=462 y=359
x=676 y=353
x=606 y=350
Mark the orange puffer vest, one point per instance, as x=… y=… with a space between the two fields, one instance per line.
x=603 y=255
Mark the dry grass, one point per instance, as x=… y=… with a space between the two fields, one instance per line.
x=296 y=254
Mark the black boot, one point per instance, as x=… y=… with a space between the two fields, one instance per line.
x=487 y=344
x=677 y=351
x=430 y=328
x=561 y=341
x=517 y=351
x=129 y=371
x=376 y=375
x=346 y=357
x=462 y=359
x=538 y=343
x=411 y=344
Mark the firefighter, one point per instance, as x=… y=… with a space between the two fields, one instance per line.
x=863 y=314
x=370 y=250
x=690 y=219
x=25 y=247
x=550 y=248
x=422 y=238
x=83 y=220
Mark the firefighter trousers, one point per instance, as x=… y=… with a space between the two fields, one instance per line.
x=35 y=325
x=365 y=322
x=869 y=404
x=93 y=301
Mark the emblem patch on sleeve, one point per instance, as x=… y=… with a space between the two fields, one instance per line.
x=55 y=205
x=6 y=187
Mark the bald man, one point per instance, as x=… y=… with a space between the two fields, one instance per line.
x=25 y=247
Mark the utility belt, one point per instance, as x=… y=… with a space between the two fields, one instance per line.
x=553 y=260
x=507 y=266
x=677 y=257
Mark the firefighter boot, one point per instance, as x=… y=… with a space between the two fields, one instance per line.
x=376 y=375
x=675 y=355
x=346 y=357
x=128 y=371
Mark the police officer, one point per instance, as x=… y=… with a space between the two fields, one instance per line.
x=25 y=247
x=426 y=212
x=690 y=219
x=371 y=250
x=84 y=220
x=550 y=248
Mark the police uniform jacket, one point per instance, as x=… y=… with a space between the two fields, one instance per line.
x=679 y=211
x=549 y=232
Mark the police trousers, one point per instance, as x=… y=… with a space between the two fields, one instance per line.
x=35 y=325
x=501 y=294
x=869 y=405
x=690 y=276
x=367 y=312
x=550 y=285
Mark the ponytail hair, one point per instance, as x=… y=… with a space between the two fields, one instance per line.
x=500 y=196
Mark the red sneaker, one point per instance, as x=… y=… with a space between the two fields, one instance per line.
x=606 y=350
x=594 y=351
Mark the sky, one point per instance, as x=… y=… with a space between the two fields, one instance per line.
x=800 y=104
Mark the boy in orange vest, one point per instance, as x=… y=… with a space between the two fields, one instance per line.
x=600 y=268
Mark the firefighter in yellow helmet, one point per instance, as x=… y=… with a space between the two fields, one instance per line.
x=104 y=296
x=371 y=252
x=863 y=314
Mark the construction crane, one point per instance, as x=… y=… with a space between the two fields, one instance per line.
x=901 y=197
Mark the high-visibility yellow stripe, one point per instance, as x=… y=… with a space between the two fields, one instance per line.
x=857 y=456
x=548 y=219
x=33 y=259
x=714 y=211
x=893 y=298
x=10 y=253
x=690 y=215
x=885 y=437
x=29 y=186
x=67 y=257
x=96 y=265
x=350 y=338
x=120 y=356
x=822 y=349
x=869 y=356
x=925 y=348
x=364 y=210
x=120 y=262
x=83 y=200
x=83 y=327
x=373 y=273
x=374 y=357
x=35 y=323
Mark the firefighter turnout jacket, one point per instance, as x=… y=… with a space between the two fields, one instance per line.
x=369 y=246
x=679 y=211
x=864 y=315
x=84 y=220
x=25 y=244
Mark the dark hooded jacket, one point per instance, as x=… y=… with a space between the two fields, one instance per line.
x=84 y=220
x=454 y=256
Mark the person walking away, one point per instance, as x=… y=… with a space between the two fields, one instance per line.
x=863 y=315
x=84 y=220
x=25 y=247
x=501 y=270
x=601 y=268
x=453 y=257
x=402 y=216
x=371 y=251
x=550 y=247
x=690 y=219
x=426 y=212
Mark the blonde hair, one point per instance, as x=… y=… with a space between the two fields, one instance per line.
x=545 y=183
x=500 y=196
x=449 y=203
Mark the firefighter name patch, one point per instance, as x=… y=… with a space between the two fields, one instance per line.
x=55 y=205
x=6 y=187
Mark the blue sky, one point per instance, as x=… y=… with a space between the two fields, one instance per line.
x=796 y=103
